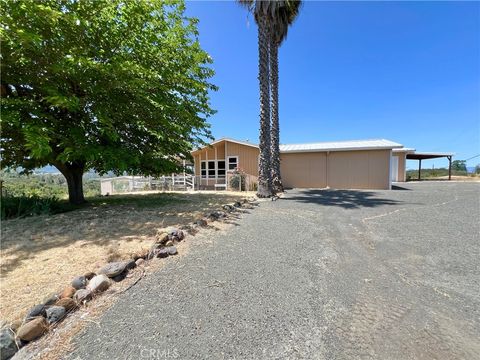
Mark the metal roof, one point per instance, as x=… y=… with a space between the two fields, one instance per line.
x=341 y=146
x=376 y=144
x=428 y=155
x=405 y=150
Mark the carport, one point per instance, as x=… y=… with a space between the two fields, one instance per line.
x=426 y=156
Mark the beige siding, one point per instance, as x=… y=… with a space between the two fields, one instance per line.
x=339 y=170
x=196 y=161
x=402 y=162
x=303 y=170
x=359 y=169
x=247 y=157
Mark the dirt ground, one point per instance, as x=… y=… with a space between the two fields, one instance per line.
x=40 y=255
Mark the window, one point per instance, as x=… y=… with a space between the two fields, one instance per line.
x=232 y=162
x=221 y=168
x=212 y=169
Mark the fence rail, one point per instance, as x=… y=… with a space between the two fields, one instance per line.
x=126 y=184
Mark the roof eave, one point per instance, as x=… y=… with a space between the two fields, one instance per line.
x=342 y=149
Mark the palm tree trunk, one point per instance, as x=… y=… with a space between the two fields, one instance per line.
x=275 y=131
x=264 y=171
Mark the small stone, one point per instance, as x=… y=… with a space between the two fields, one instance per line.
x=89 y=275
x=80 y=282
x=55 y=313
x=98 y=283
x=172 y=250
x=161 y=238
x=131 y=264
x=82 y=295
x=169 y=243
x=51 y=299
x=162 y=253
x=140 y=261
x=201 y=222
x=237 y=204
x=8 y=346
x=68 y=292
x=67 y=303
x=33 y=329
x=113 y=269
x=37 y=310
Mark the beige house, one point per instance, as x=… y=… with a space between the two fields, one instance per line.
x=364 y=164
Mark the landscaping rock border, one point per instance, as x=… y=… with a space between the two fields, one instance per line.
x=42 y=317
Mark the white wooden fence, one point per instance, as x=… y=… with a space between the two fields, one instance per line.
x=127 y=184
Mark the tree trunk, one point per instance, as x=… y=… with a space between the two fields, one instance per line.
x=73 y=172
x=264 y=171
x=275 y=133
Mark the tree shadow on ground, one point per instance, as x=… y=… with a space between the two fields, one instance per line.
x=347 y=199
x=106 y=224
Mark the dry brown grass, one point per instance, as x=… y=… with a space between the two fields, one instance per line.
x=40 y=255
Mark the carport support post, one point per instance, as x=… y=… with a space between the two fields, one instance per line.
x=419 y=169
x=449 y=167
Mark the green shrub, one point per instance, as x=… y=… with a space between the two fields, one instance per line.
x=22 y=206
x=237 y=181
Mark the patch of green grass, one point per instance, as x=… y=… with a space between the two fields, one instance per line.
x=23 y=206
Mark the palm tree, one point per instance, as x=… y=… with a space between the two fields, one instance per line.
x=273 y=17
x=262 y=11
x=284 y=15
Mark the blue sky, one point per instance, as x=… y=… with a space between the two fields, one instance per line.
x=404 y=71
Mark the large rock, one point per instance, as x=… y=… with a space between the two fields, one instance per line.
x=201 y=222
x=176 y=234
x=162 y=253
x=67 y=303
x=37 y=310
x=131 y=264
x=55 y=314
x=82 y=295
x=161 y=238
x=171 y=250
x=33 y=329
x=80 y=282
x=113 y=269
x=8 y=346
x=68 y=292
x=98 y=283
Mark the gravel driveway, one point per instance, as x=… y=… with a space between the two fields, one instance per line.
x=317 y=274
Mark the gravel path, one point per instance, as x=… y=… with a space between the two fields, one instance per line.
x=317 y=275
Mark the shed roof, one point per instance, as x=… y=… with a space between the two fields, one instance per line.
x=376 y=144
x=428 y=155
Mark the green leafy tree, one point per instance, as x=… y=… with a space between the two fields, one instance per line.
x=477 y=169
x=459 y=165
x=109 y=85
